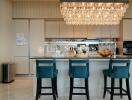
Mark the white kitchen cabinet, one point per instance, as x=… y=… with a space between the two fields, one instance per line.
x=21 y=65
x=103 y=31
x=34 y=29
x=20 y=37
x=93 y=31
x=21 y=45
x=127 y=29
x=66 y=31
x=59 y=29
x=51 y=29
x=36 y=37
x=114 y=31
x=80 y=31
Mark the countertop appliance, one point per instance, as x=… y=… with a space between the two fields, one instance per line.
x=93 y=47
x=127 y=47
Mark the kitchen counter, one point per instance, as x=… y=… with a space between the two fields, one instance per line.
x=83 y=57
x=96 y=65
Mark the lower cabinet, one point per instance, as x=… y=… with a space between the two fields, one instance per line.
x=21 y=65
x=32 y=66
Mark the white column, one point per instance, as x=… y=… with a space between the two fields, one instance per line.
x=5 y=31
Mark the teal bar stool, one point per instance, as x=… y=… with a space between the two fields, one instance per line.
x=118 y=69
x=46 y=68
x=79 y=68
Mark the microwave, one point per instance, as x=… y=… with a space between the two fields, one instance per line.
x=127 y=47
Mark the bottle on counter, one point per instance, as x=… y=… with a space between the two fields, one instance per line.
x=72 y=52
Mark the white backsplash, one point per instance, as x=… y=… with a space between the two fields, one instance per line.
x=63 y=48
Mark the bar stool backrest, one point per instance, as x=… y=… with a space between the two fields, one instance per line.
x=79 y=67
x=45 y=68
x=119 y=68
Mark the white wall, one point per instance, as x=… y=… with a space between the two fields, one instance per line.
x=5 y=31
x=40 y=9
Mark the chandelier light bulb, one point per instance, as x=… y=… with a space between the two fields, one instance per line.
x=83 y=4
x=75 y=8
x=91 y=4
x=79 y=16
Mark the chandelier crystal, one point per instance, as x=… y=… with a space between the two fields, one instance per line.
x=76 y=12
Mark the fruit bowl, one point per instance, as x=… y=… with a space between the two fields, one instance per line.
x=105 y=53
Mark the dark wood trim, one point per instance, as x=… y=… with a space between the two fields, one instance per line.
x=104 y=1
x=127 y=18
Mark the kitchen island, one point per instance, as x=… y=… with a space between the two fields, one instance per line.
x=96 y=82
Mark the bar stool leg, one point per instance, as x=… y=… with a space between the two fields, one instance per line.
x=112 y=88
x=105 y=86
x=38 y=89
x=56 y=87
x=87 y=88
x=53 y=88
x=40 y=85
x=128 y=88
x=120 y=81
x=71 y=88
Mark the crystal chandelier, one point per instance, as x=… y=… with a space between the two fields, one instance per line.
x=93 y=12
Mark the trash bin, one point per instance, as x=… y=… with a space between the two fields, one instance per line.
x=8 y=72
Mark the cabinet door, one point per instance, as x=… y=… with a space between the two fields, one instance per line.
x=115 y=31
x=36 y=37
x=20 y=37
x=52 y=29
x=21 y=65
x=103 y=31
x=80 y=31
x=66 y=31
x=93 y=31
x=127 y=30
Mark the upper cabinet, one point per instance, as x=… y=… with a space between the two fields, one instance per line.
x=127 y=30
x=93 y=31
x=103 y=31
x=66 y=31
x=80 y=31
x=59 y=29
x=114 y=31
x=51 y=29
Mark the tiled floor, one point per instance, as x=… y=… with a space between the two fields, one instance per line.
x=22 y=89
